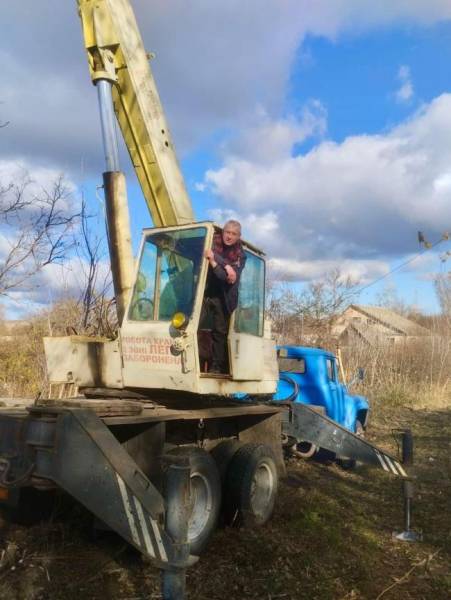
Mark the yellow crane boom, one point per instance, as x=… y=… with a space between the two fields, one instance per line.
x=116 y=54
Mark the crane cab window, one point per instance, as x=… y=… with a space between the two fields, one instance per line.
x=168 y=274
x=249 y=316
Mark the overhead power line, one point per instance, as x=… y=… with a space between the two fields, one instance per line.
x=427 y=246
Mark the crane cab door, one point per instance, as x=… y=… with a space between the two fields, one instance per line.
x=170 y=280
x=245 y=340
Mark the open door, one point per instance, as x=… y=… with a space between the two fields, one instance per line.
x=246 y=344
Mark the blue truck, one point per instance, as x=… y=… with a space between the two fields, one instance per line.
x=311 y=376
x=321 y=412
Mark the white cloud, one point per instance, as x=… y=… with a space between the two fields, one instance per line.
x=215 y=62
x=405 y=91
x=55 y=282
x=443 y=182
x=265 y=140
x=266 y=228
x=404 y=73
x=69 y=279
x=286 y=269
x=365 y=197
x=37 y=178
x=254 y=226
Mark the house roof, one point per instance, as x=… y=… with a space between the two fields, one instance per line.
x=392 y=320
x=369 y=334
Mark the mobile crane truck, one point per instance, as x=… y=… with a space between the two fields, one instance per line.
x=154 y=445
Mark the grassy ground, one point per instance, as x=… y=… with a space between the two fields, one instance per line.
x=330 y=538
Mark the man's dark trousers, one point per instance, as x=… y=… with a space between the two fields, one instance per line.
x=214 y=310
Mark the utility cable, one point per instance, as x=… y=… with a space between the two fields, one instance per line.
x=410 y=260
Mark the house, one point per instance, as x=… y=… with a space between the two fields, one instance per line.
x=375 y=326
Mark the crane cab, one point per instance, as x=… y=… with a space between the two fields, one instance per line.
x=163 y=342
x=164 y=335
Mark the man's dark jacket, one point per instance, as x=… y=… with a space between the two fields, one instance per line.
x=217 y=285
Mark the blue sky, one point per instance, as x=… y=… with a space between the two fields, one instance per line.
x=356 y=77
x=359 y=91
x=328 y=133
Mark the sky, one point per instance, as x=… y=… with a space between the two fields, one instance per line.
x=323 y=125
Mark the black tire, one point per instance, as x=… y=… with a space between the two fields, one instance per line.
x=251 y=486
x=33 y=506
x=350 y=463
x=223 y=454
x=205 y=497
x=306 y=450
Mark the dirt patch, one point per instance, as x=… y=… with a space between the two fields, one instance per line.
x=330 y=538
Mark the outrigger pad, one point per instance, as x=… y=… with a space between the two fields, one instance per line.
x=91 y=465
x=305 y=424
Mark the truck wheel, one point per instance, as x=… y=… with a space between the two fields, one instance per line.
x=350 y=463
x=223 y=454
x=251 y=486
x=205 y=497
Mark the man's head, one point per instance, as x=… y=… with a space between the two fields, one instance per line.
x=231 y=232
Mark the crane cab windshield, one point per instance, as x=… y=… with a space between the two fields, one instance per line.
x=168 y=274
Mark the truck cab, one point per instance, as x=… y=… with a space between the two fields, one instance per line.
x=310 y=376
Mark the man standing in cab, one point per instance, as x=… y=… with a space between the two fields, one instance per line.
x=227 y=260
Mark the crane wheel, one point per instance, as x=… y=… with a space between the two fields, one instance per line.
x=205 y=501
x=251 y=486
x=223 y=453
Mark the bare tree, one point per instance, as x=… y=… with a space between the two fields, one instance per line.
x=309 y=316
x=36 y=231
x=389 y=298
x=325 y=299
x=443 y=291
x=97 y=310
x=89 y=247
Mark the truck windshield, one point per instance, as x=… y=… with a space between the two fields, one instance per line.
x=168 y=274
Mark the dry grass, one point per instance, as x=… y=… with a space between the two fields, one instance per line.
x=409 y=374
x=22 y=360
